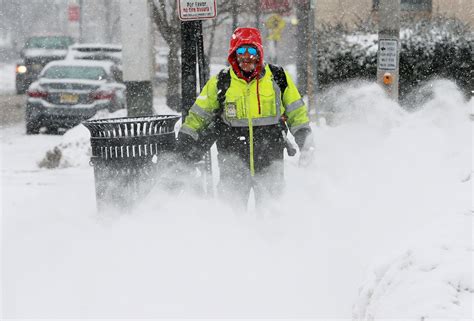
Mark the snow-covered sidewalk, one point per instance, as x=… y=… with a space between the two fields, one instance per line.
x=380 y=227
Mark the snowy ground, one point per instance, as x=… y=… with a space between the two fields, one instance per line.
x=7 y=78
x=380 y=227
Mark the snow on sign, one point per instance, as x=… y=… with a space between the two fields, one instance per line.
x=388 y=54
x=197 y=9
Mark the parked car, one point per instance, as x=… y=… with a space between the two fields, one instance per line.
x=96 y=51
x=36 y=53
x=70 y=91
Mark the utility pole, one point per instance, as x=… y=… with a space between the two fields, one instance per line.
x=188 y=65
x=192 y=52
x=137 y=42
x=388 y=55
x=303 y=15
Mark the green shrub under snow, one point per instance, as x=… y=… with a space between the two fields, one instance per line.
x=436 y=48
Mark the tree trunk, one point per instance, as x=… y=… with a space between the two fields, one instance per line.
x=258 y=14
x=235 y=15
x=302 y=12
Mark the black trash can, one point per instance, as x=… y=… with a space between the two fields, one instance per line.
x=126 y=155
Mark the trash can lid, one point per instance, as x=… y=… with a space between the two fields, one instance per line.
x=132 y=126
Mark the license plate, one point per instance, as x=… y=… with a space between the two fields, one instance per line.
x=36 y=67
x=68 y=99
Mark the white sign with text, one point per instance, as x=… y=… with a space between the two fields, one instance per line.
x=388 y=54
x=197 y=9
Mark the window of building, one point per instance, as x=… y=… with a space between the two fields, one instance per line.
x=409 y=5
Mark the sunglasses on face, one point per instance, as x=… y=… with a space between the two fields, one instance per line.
x=242 y=50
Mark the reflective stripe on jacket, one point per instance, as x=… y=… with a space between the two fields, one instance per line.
x=241 y=106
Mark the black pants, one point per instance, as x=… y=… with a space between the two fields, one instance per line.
x=236 y=180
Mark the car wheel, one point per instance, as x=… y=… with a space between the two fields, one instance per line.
x=111 y=108
x=114 y=106
x=32 y=128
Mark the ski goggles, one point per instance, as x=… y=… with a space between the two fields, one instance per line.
x=241 y=50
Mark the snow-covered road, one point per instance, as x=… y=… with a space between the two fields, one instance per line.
x=385 y=210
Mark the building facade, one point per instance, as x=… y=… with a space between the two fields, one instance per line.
x=351 y=12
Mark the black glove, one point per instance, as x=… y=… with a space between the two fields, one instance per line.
x=304 y=140
x=188 y=148
x=301 y=135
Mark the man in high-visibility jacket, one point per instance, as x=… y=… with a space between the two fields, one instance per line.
x=253 y=112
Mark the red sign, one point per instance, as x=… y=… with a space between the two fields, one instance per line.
x=280 y=6
x=74 y=13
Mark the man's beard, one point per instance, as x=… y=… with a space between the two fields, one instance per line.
x=247 y=74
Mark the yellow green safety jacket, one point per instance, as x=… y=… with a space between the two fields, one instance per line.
x=244 y=108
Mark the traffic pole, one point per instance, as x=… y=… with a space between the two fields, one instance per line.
x=302 y=37
x=188 y=66
x=192 y=53
x=388 y=55
x=203 y=77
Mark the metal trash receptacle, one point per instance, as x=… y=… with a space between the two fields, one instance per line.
x=125 y=156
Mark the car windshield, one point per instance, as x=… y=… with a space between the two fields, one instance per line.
x=75 y=72
x=49 y=43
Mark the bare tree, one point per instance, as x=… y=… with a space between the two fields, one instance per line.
x=226 y=13
x=210 y=27
x=165 y=16
x=166 y=19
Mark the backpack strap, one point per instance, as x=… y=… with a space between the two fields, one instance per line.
x=223 y=83
x=280 y=77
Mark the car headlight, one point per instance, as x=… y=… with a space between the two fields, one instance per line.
x=21 y=69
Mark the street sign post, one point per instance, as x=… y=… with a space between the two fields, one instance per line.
x=275 y=25
x=388 y=51
x=197 y=9
x=191 y=12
